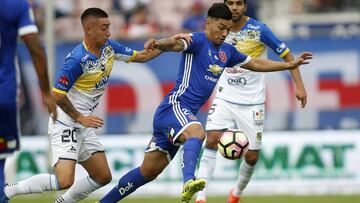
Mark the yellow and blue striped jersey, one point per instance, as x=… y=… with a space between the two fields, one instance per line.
x=84 y=76
x=241 y=86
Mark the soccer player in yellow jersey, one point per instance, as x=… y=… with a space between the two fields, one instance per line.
x=240 y=97
x=79 y=84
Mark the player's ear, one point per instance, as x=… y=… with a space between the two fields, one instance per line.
x=207 y=22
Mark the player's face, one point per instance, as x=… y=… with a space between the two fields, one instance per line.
x=217 y=30
x=100 y=30
x=238 y=8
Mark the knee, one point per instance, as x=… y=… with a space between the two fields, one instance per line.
x=104 y=178
x=251 y=157
x=195 y=131
x=65 y=183
x=212 y=139
x=149 y=173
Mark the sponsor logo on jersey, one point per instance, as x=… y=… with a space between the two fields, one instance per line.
x=241 y=81
x=101 y=84
x=211 y=78
x=255 y=27
x=215 y=69
x=83 y=59
x=232 y=70
x=126 y=188
x=99 y=64
x=281 y=48
x=222 y=56
x=64 y=80
x=258 y=138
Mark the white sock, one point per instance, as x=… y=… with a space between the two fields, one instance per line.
x=245 y=173
x=79 y=190
x=35 y=184
x=206 y=170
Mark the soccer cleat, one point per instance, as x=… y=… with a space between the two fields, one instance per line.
x=191 y=187
x=200 y=201
x=233 y=198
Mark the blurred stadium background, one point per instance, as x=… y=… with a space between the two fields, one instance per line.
x=311 y=151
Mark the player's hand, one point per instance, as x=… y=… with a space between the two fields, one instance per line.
x=51 y=105
x=185 y=36
x=149 y=44
x=90 y=121
x=301 y=60
x=301 y=96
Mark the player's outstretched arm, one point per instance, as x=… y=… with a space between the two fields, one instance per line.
x=175 y=43
x=146 y=55
x=263 y=65
x=87 y=121
x=39 y=59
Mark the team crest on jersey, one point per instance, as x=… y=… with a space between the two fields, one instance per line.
x=222 y=56
x=215 y=69
x=258 y=117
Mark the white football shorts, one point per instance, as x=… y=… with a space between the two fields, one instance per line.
x=72 y=143
x=248 y=119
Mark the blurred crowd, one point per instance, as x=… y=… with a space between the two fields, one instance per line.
x=138 y=19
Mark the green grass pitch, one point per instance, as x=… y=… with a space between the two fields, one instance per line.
x=49 y=198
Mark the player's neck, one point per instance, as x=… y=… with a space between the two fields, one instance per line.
x=91 y=47
x=237 y=25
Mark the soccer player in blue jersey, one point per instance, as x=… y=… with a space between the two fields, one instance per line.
x=16 y=19
x=240 y=97
x=79 y=84
x=175 y=122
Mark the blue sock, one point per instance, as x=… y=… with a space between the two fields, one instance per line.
x=191 y=151
x=127 y=184
x=3 y=198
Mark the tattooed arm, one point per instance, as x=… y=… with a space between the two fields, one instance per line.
x=177 y=43
x=87 y=121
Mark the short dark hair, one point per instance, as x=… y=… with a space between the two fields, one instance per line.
x=220 y=10
x=243 y=1
x=96 y=12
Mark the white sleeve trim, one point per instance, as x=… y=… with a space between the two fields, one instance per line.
x=28 y=29
x=244 y=62
x=185 y=44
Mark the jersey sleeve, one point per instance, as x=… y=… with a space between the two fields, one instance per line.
x=123 y=53
x=270 y=40
x=67 y=75
x=26 y=23
x=196 y=40
x=237 y=58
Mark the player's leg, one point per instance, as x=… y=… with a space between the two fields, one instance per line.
x=219 y=119
x=3 y=198
x=99 y=175
x=93 y=159
x=153 y=164
x=192 y=137
x=250 y=121
x=159 y=152
x=35 y=184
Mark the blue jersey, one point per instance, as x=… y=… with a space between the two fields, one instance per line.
x=201 y=66
x=84 y=76
x=15 y=19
